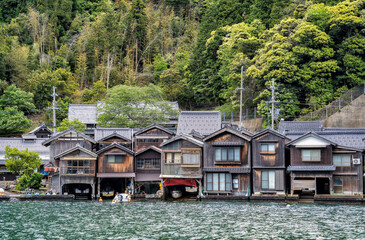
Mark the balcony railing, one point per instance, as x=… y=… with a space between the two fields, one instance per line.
x=78 y=170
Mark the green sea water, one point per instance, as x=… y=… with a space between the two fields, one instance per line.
x=180 y=220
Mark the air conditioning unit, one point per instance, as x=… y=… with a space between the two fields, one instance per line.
x=356 y=161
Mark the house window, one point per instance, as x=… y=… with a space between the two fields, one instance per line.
x=191 y=158
x=219 y=182
x=268 y=180
x=311 y=155
x=115 y=158
x=268 y=148
x=227 y=154
x=173 y=158
x=235 y=183
x=154 y=163
x=342 y=160
x=337 y=185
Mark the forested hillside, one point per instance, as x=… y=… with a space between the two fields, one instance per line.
x=192 y=49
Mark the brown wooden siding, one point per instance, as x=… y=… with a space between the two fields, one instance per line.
x=147 y=155
x=126 y=167
x=279 y=180
x=268 y=160
x=296 y=156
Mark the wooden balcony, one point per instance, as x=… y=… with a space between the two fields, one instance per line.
x=77 y=170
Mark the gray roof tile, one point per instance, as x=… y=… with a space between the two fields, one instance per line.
x=299 y=126
x=204 y=122
x=101 y=133
x=309 y=168
x=85 y=113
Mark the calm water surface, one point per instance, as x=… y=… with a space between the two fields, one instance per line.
x=180 y=220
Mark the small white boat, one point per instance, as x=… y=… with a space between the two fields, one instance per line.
x=121 y=197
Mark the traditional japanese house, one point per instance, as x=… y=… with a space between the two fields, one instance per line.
x=227 y=162
x=181 y=171
x=148 y=157
x=115 y=170
x=107 y=136
x=41 y=131
x=85 y=113
x=324 y=167
x=73 y=161
x=269 y=162
x=77 y=167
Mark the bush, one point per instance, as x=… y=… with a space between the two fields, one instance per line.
x=32 y=181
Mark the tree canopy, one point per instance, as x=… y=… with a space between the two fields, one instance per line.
x=128 y=106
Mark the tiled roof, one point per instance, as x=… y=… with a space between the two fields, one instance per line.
x=299 y=126
x=204 y=122
x=228 y=169
x=230 y=130
x=69 y=130
x=20 y=144
x=85 y=113
x=115 y=145
x=77 y=147
x=310 y=168
x=156 y=149
x=183 y=137
x=269 y=130
x=345 y=137
x=101 y=133
x=39 y=127
x=155 y=125
x=311 y=134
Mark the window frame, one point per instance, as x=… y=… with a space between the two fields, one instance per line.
x=311 y=150
x=342 y=160
x=337 y=186
x=270 y=173
x=173 y=158
x=153 y=160
x=115 y=158
x=210 y=187
x=268 y=148
x=191 y=151
x=226 y=152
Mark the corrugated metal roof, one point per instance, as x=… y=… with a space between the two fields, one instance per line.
x=310 y=168
x=204 y=122
x=101 y=133
x=299 y=126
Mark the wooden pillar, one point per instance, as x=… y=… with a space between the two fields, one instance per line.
x=132 y=186
x=99 y=180
x=200 y=193
x=93 y=191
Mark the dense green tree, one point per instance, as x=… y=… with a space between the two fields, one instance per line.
x=15 y=97
x=21 y=161
x=76 y=124
x=13 y=121
x=127 y=106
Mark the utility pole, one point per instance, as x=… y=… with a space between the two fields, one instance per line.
x=241 y=97
x=54 y=107
x=272 y=102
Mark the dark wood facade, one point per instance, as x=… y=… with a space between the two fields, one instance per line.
x=152 y=135
x=321 y=166
x=269 y=162
x=182 y=159
x=227 y=162
x=115 y=169
x=115 y=138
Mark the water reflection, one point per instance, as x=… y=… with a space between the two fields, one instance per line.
x=180 y=220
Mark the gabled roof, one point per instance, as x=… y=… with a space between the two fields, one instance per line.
x=230 y=130
x=204 y=122
x=310 y=134
x=154 y=125
x=40 y=127
x=299 y=126
x=102 y=133
x=156 y=149
x=85 y=113
x=115 y=145
x=183 y=137
x=77 y=147
x=269 y=130
x=115 y=134
x=69 y=130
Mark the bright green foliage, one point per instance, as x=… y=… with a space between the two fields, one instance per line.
x=97 y=93
x=33 y=181
x=21 y=161
x=127 y=106
x=15 y=97
x=76 y=124
x=13 y=121
x=61 y=111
